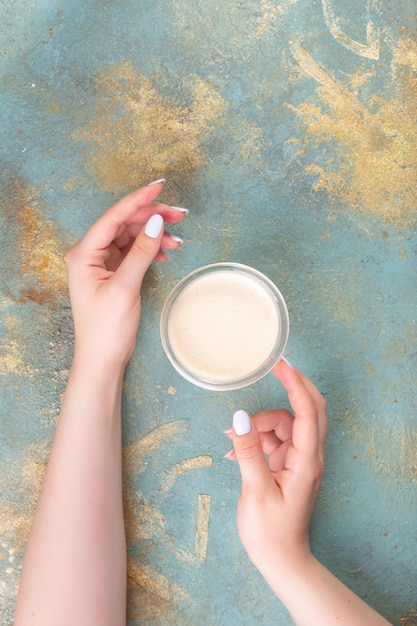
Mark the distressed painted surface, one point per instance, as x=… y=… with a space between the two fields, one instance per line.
x=289 y=131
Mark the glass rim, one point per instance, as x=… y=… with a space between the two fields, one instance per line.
x=231 y=383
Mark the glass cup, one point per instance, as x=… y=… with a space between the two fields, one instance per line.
x=224 y=326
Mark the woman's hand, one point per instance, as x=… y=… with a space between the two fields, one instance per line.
x=278 y=498
x=277 y=502
x=105 y=272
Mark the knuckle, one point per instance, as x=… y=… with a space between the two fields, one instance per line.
x=252 y=499
x=121 y=293
x=249 y=451
x=320 y=470
x=311 y=474
x=316 y=473
x=142 y=247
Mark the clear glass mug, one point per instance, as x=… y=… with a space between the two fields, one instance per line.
x=224 y=326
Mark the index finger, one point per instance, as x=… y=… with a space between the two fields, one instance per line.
x=304 y=402
x=321 y=406
x=107 y=227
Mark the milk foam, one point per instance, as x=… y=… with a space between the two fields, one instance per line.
x=224 y=325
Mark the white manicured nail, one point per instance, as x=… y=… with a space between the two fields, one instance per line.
x=178 y=208
x=241 y=423
x=287 y=362
x=154 y=226
x=176 y=239
x=156 y=182
x=229 y=454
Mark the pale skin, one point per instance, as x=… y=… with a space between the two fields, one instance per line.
x=74 y=569
x=277 y=502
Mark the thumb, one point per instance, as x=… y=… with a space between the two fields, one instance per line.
x=143 y=251
x=249 y=453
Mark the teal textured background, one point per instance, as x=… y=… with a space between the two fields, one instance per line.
x=289 y=131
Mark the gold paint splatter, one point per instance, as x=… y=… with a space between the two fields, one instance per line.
x=202 y=526
x=186 y=465
x=146 y=577
x=135 y=454
x=405 y=53
x=151 y=595
x=71 y=184
x=266 y=21
x=42 y=251
x=409 y=618
x=172 y=391
x=142 y=520
x=403 y=253
x=20 y=485
x=38 y=249
x=11 y=360
x=252 y=143
x=375 y=167
x=358 y=80
x=227 y=30
x=139 y=132
x=370 y=49
x=398 y=446
x=147 y=588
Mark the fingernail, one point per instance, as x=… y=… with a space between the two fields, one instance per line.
x=287 y=362
x=154 y=226
x=229 y=454
x=176 y=239
x=156 y=182
x=241 y=423
x=178 y=208
x=228 y=431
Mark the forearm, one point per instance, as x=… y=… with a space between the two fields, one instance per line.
x=314 y=597
x=75 y=562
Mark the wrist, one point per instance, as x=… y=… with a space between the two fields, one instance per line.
x=284 y=572
x=97 y=368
